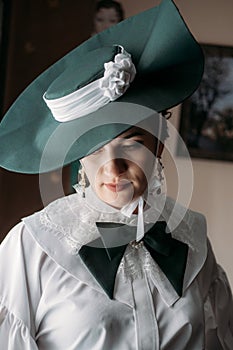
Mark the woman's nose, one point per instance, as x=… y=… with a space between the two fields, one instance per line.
x=106 y=25
x=115 y=167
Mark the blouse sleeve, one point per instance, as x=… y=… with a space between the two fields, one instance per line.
x=218 y=305
x=14 y=335
x=20 y=261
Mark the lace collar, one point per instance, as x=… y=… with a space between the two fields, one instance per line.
x=67 y=224
x=74 y=218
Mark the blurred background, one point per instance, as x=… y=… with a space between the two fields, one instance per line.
x=34 y=34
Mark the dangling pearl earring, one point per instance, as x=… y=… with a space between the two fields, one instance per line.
x=156 y=179
x=82 y=181
x=160 y=168
x=80 y=187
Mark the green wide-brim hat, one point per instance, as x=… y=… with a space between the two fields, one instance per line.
x=169 y=66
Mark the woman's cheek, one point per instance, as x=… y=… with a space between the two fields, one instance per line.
x=146 y=167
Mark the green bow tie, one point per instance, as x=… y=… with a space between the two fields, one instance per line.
x=102 y=257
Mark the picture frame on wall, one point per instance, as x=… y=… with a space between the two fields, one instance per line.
x=206 y=119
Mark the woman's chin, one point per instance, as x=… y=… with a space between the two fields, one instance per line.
x=117 y=199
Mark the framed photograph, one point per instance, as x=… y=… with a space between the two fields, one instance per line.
x=206 y=123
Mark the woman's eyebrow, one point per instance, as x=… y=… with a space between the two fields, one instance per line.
x=136 y=133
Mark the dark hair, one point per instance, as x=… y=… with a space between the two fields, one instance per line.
x=166 y=114
x=111 y=4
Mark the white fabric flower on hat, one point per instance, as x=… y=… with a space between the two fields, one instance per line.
x=118 y=75
x=116 y=80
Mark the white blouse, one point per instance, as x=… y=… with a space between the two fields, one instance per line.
x=50 y=300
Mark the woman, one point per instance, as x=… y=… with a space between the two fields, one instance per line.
x=117 y=265
x=107 y=13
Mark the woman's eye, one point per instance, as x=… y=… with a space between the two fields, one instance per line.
x=133 y=145
x=99 y=19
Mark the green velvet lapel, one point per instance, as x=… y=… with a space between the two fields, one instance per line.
x=102 y=257
x=169 y=253
x=103 y=261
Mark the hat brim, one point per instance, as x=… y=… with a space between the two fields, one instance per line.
x=63 y=143
x=166 y=75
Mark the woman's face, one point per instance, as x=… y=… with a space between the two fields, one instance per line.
x=119 y=171
x=105 y=18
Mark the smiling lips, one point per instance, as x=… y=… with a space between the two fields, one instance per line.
x=117 y=187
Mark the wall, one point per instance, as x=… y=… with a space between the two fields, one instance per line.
x=40 y=32
x=211 y=22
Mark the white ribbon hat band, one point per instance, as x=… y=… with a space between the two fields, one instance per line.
x=116 y=80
